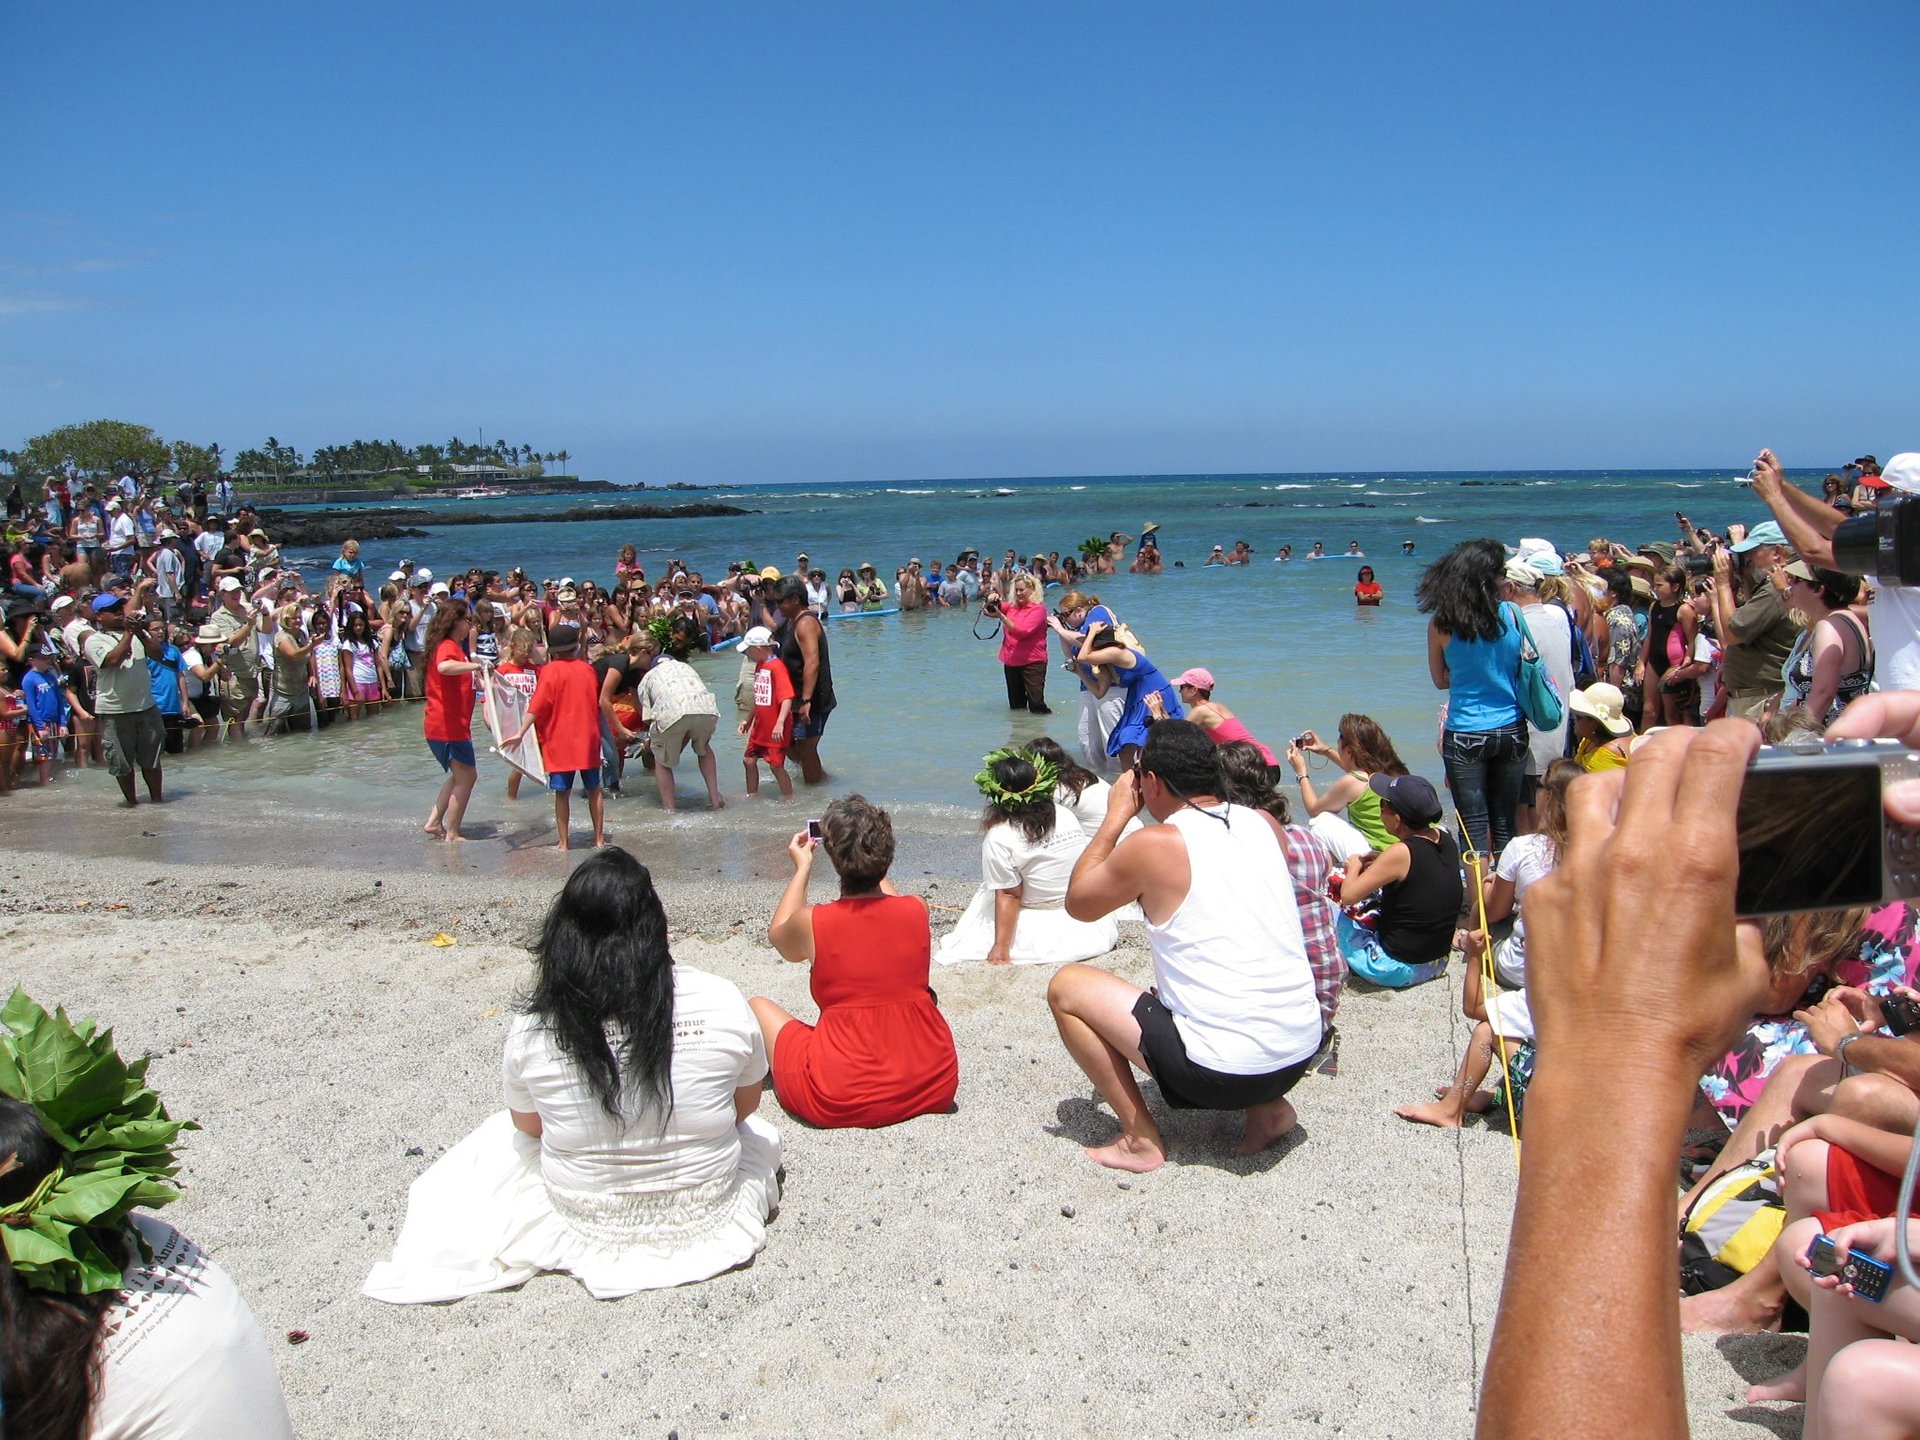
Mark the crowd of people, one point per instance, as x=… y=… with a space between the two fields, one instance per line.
x=1587 y=876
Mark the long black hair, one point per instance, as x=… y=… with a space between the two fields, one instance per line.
x=1033 y=815
x=49 y=1343
x=1247 y=779
x=1461 y=590
x=602 y=964
x=1074 y=777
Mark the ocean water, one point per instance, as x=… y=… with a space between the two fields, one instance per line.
x=921 y=699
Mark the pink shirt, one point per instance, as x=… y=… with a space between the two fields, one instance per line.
x=1227 y=731
x=1023 y=634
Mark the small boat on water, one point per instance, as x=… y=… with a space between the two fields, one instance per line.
x=478 y=492
x=1004 y=491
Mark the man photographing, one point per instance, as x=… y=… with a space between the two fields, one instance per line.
x=1232 y=1021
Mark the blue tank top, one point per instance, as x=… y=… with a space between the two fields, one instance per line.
x=1482 y=694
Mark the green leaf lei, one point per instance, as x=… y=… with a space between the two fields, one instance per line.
x=116 y=1135
x=1046 y=775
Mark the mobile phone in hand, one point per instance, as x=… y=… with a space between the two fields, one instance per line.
x=813 y=831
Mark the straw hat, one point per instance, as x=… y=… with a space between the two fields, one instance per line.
x=1603 y=703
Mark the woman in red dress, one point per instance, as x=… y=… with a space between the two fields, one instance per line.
x=881 y=1051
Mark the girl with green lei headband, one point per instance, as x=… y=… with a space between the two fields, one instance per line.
x=112 y=1323
x=1027 y=853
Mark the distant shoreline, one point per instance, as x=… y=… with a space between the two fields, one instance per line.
x=331 y=527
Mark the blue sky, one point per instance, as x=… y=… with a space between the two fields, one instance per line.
x=739 y=242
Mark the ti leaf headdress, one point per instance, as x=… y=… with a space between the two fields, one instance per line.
x=1046 y=775
x=1093 y=545
x=116 y=1135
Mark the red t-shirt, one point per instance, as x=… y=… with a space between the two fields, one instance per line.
x=771 y=686
x=449 y=697
x=566 y=715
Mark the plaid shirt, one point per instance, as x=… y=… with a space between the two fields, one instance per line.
x=1310 y=866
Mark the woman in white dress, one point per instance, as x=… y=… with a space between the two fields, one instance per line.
x=1018 y=916
x=629 y=1154
x=117 y=1326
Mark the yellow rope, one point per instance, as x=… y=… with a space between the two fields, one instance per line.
x=1490 y=987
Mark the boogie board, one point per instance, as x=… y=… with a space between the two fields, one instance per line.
x=727 y=644
x=863 y=614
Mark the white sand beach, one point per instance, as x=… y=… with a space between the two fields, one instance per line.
x=970 y=1274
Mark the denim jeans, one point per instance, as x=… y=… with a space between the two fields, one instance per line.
x=1484 y=771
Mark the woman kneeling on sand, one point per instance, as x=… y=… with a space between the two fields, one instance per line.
x=629 y=1154
x=881 y=1051
x=1018 y=915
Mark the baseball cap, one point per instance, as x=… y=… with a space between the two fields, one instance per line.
x=61 y=602
x=758 y=635
x=227 y=584
x=1521 y=573
x=1765 y=533
x=439 y=587
x=1902 y=472
x=102 y=603
x=563 y=638
x=1413 y=799
x=398 y=575
x=770 y=573
x=422 y=575
x=1199 y=677
x=1800 y=570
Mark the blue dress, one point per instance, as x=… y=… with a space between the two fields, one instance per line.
x=1139 y=682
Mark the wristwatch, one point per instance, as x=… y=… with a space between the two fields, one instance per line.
x=1840 y=1050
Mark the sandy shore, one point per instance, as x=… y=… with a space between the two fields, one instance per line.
x=968 y=1274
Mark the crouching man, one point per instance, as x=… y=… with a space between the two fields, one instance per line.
x=1232 y=1022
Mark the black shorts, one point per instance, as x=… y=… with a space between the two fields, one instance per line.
x=1188 y=1085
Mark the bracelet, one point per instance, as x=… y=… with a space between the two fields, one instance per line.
x=1840 y=1050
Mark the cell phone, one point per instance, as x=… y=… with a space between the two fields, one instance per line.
x=1814 y=832
x=1901 y=1013
x=1868 y=1277
x=813 y=830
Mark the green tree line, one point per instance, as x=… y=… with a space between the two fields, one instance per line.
x=104 y=447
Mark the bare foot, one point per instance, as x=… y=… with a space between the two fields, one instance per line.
x=453 y=837
x=561 y=844
x=1722 y=1311
x=1266 y=1125
x=1790 y=1386
x=1439 y=1113
x=433 y=827
x=598 y=841
x=1480 y=1102
x=1127 y=1153
x=716 y=802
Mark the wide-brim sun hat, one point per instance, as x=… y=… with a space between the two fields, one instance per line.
x=1603 y=703
x=208 y=635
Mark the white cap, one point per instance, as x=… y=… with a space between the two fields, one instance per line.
x=227 y=583
x=422 y=575
x=61 y=602
x=757 y=636
x=1902 y=472
x=439 y=587
x=566 y=581
x=398 y=575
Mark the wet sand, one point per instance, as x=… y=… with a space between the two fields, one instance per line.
x=970 y=1274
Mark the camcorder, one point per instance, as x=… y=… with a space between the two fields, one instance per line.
x=1814 y=831
x=1884 y=544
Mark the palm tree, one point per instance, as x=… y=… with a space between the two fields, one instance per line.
x=563 y=461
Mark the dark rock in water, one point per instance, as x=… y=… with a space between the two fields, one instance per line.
x=1357 y=505
x=330 y=527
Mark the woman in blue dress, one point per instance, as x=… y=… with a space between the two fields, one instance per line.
x=1106 y=661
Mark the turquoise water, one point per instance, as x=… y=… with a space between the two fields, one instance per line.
x=921 y=699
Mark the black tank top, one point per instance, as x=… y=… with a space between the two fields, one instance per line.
x=1417 y=914
x=790 y=656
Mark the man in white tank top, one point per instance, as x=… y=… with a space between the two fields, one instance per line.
x=1232 y=1022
